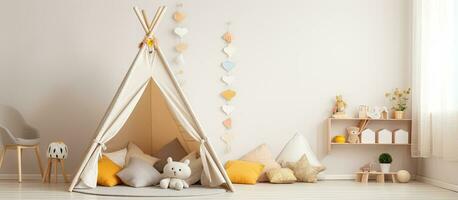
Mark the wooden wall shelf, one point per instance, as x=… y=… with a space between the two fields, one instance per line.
x=336 y=126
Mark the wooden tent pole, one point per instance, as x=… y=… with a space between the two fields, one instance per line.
x=140 y=18
x=145 y=18
x=153 y=22
x=194 y=117
x=161 y=12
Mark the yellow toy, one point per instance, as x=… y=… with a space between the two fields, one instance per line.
x=339 y=139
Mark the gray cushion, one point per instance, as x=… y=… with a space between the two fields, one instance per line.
x=139 y=173
x=172 y=149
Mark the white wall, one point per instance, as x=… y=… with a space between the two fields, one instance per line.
x=61 y=62
x=439 y=170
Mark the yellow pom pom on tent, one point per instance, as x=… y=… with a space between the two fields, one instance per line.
x=150 y=42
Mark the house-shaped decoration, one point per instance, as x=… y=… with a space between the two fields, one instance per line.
x=368 y=136
x=401 y=136
x=384 y=113
x=384 y=136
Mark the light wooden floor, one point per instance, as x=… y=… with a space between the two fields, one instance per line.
x=321 y=190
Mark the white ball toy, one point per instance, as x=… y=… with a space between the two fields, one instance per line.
x=57 y=150
x=403 y=176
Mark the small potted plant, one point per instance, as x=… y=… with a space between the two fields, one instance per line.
x=385 y=162
x=398 y=99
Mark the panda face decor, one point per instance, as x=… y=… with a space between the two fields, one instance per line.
x=57 y=150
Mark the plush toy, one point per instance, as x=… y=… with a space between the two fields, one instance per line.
x=353 y=135
x=339 y=108
x=174 y=174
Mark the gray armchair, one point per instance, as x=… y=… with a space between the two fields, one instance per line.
x=15 y=133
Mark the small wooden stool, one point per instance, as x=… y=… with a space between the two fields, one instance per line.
x=57 y=153
x=51 y=162
x=363 y=177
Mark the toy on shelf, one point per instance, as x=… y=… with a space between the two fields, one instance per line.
x=339 y=108
x=57 y=153
x=384 y=136
x=362 y=112
x=368 y=136
x=369 y=167
x=353 y=135
x=339 y=139
x=401 y=136
x=375 y=112
x=384 y=113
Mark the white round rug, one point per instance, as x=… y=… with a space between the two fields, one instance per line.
x=155 y=191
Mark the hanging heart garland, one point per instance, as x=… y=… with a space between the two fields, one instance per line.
x=227 y=109
x=227 y=138
x=179 y=60
x=228 y=93
x=228 y=65
x=227 y=37
x=229 y=50
x=228 y=123
x=228 y=79
x=181 y=47
x=179 y=16
x=180 y=31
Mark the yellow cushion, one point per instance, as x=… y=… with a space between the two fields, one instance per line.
x=243 y=172
x=107 y=171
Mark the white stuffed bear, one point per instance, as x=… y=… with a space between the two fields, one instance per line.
x=174 y=175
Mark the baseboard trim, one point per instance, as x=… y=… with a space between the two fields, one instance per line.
x=336 y=176
x=30 y=177
x=437 y=183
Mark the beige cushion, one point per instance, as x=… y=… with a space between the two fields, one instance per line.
x=173 y=149
x=262 y=154
x=135 y=151
x=303 y=171
x=281 y=175
x=196 y=167
x=139 y=173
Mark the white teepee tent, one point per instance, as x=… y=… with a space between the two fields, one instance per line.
x=150 y=109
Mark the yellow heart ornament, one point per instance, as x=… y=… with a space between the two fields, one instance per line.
x=228 y=94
